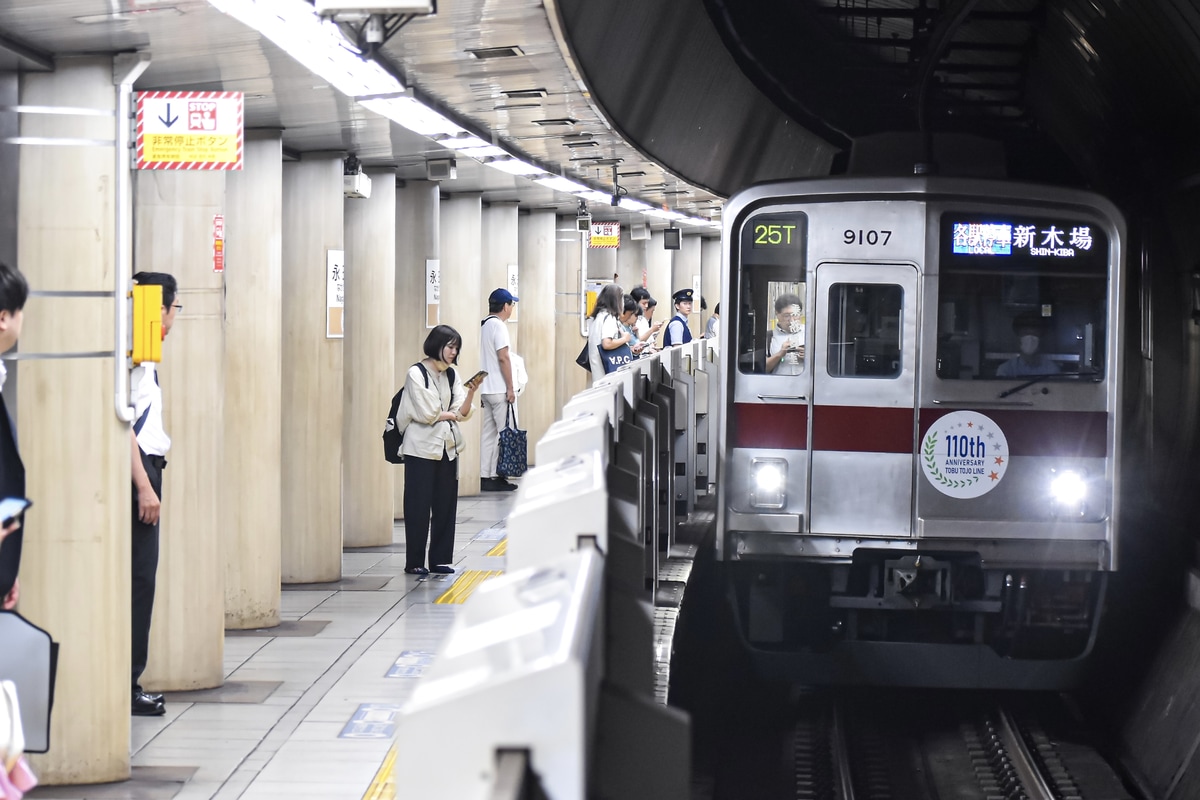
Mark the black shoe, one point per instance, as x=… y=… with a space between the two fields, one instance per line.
x=145 y=705
x=496 y=485
x=442 y=569
x=158 y=698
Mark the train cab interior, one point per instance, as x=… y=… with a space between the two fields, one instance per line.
x=759 y=323
x=1022 y=317
x=996 y=327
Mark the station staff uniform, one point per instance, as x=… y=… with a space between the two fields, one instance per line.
x=153 y=443
x=677 y=328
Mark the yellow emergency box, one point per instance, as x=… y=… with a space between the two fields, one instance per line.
x=147 y=323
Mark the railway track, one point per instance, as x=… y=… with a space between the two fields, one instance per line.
x=943 y=747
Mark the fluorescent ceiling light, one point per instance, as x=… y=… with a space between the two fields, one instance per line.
x=410 y=113
x=630 y=204
x=594 y=196
x=693 y=221
x=560 y=184
x=515 y=166
x=316 y=43
x=487 y=151
x=462 y=142
x=660 y=214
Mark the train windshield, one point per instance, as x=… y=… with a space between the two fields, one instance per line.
x=772 y=296
x=1021 y=298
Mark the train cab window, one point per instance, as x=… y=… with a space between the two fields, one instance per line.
x=864 y=330
x=771 y=295
x=1021 y=299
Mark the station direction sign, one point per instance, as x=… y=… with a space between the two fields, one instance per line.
x=189 y=130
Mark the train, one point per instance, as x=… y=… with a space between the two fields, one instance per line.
x=919 y=450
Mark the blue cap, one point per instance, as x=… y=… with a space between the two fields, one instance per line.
x=502 y=296
x=683 y=295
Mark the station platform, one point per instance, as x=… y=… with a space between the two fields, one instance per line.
x=308 y=709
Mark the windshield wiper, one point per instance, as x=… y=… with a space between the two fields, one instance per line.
x=1095 y=376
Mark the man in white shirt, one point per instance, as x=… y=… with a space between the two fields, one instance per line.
x=150 y=444
x=785 y=351
x=498 y=389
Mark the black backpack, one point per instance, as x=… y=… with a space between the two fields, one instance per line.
x=393 y=437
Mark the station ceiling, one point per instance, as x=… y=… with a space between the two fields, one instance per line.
x=690 y=100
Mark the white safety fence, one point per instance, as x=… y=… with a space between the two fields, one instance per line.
x=554 y=663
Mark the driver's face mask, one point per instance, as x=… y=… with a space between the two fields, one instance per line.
x=1029 y=345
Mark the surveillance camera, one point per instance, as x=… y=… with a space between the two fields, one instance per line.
x=615 y=200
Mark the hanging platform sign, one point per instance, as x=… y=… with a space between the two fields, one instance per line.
x=605 y=235
x=189 y=130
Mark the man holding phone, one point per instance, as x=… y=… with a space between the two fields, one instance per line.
x=13 y=292
x=498 y=389
x=150 y=444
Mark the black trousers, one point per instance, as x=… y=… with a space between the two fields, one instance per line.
x=144 y=545
x=430 y=490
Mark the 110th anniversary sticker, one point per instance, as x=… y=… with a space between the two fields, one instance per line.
x=964 y=454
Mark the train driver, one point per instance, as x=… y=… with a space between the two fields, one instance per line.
x=1030 y=331
x=785 y=351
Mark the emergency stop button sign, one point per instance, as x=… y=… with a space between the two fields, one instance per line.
x=189 y=130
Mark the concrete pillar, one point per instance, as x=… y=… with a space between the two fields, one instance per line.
x=418 y=210
x=536 y=236
x=710 y=273
x=602 y=264
x=567 y=339
x=75 y=567
x=660 y=281
x=174 y=226
x=253 y=298
x=500 y=249
x=369 y=382
x=685 y=268
x=462 y=298
x=311 y=447
x=631 y=261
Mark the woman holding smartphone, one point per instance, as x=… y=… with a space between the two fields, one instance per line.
x=434 y=404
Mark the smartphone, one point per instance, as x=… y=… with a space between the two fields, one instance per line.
x=478 y=376
x=12 y=507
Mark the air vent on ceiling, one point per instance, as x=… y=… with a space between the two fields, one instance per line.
x=496 y=52
x=588 y=143
x=556 y=121
x=637 y=174
x=524 y=94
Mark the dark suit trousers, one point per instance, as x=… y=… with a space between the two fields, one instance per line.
x=145 y=567
x=430 y=490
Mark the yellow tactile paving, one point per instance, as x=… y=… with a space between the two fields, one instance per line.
x=384 y=785
x=500 y=549
x=462 y=588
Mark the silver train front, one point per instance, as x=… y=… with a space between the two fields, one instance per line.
x=918 y=479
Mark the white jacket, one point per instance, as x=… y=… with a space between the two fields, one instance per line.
x=424 y=436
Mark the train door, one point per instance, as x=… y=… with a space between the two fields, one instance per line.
x=863 y=401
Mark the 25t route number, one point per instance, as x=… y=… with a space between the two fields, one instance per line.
x=860 y=236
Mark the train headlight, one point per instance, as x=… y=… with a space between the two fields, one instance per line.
x=768 y=482
x=1068 y=490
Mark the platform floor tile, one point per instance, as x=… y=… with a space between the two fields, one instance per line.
x=291 y=744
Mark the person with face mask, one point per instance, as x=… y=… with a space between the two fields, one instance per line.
x=1030 y=362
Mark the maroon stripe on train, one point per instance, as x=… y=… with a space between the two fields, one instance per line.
x=783 y=426
x=1082 y=434
x=859 y=429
